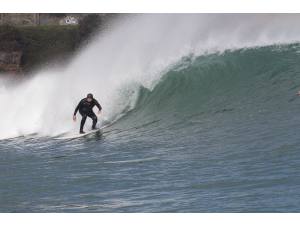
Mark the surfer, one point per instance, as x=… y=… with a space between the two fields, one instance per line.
x=85 y=108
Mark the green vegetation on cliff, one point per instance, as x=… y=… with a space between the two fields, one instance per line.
x=45 y=44
x=38 y=45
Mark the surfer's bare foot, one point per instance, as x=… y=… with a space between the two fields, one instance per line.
x=82 y=132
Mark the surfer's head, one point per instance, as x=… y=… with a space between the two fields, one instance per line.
x=89 y=97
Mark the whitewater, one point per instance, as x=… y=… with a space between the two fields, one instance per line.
x=202 y=112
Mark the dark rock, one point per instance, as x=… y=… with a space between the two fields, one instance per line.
x=10 y=62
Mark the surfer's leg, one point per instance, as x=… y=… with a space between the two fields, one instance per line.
x=94 y=122
x=94 y=118
x=82 y=122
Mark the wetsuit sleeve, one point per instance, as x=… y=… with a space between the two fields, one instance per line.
x=77 y=108
x=98 y=105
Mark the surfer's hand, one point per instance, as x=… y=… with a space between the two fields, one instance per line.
x=99 y=112
x=74 y=118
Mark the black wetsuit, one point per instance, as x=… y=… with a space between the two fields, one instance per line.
x=86 y=109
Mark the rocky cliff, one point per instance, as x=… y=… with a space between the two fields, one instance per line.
x=26 y=48
x=10 y=62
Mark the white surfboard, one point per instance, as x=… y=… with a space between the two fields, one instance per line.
x=73 y=136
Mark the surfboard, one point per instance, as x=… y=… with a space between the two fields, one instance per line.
x=73 y=136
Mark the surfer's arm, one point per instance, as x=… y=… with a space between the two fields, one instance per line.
x=98 y=105
x=77 y=108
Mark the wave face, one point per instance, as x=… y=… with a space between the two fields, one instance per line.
x=233 y=90
x=247 y=81
x=138 y=52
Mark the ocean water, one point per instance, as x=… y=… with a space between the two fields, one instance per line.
x=205 y=131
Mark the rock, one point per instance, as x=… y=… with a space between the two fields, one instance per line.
x=10 y=62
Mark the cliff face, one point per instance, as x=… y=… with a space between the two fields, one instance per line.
x=10 y=50
x=10 y=62
x=36 y=19
x=19 y=19
x=24 y=48
x=27 y=48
